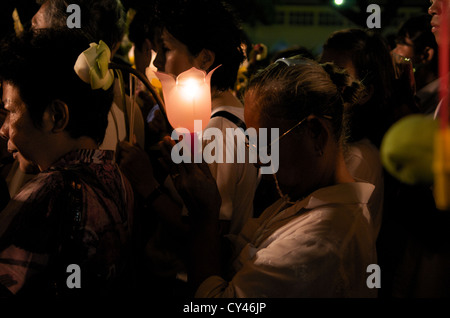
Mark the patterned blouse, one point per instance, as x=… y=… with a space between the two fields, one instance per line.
x=79 y=211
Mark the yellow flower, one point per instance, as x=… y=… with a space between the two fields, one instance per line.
x=92 y=66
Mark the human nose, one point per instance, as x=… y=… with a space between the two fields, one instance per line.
x=159 y=62
x=435 y=8
x=4 y=130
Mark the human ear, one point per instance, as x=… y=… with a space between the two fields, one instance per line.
x=318 y=132
x=58 y=115
x=206 y=59
x=427 y=55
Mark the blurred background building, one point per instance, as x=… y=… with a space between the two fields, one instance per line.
x=280 y=24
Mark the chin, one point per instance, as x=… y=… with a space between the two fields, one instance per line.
x=28 y=167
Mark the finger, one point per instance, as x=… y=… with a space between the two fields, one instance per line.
x=168 y=142
x=176 y=169
x=165 y=148
x=135 y=142
x=146 y=96
x=121 y=149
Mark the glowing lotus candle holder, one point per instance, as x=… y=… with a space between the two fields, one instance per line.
x=187 y=98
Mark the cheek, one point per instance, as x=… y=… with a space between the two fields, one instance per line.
x=139 y=58
x=177 y=64
x=290 y=165
x=296 y=165
x=14 y=128
x=400 y=50
x=21 y=132
x=408 y=52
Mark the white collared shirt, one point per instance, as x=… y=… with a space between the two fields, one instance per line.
x=364 y=163
x=429 y=97
x=318 y=247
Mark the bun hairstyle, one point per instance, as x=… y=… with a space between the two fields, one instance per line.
x=293 y=92
x=372 y=61
x=349 y=89
x=370 y=55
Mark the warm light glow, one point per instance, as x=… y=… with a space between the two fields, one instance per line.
x=190 y=88
x=338 y=2
x=152 y=61
x=187 y=98
x=131 y=55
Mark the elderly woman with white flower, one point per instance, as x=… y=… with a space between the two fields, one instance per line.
x=78 y=210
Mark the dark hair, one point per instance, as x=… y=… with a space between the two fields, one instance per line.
x=291 y=93
x=100 y=19
x=41 y=66
x=418 y=30
x=371 y=57
x=206 y=24
x=142 y=26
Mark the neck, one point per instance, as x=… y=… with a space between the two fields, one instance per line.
x=423 y=77
x=342 y=175
x=334 y=171
x=64 y=145
x=224 y=98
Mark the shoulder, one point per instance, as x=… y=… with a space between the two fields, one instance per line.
x=44 y=184
x=338 y=211
x=363 y=150
x=221 y=122
x=363 y=161
x=30 y=212
x=324 y=235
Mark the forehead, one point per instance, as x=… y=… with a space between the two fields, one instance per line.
x=168 y=37
x=406 y=40
x=41 y=19
x=10 y=93
x=12 y=99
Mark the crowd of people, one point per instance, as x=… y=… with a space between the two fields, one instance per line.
x=87 y=176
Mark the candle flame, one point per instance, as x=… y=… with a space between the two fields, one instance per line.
x=190 y=88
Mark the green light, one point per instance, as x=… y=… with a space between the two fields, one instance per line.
x=338 y=2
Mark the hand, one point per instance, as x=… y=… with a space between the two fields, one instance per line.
x=195 y=184
x=145 y=99
x=135 y=164
x=157 y=126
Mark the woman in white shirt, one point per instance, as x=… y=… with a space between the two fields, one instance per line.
x=315 y=241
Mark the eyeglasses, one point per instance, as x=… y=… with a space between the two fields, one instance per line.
x=269 y=147
x=290 y=61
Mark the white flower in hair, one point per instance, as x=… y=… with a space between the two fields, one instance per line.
x=92 y=66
